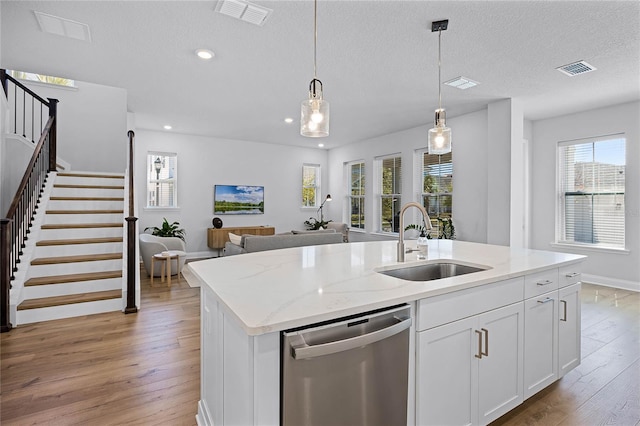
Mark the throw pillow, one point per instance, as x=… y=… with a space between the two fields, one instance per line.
x=235 y=239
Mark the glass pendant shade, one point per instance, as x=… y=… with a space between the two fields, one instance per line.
x=440 y=135
x=314 y=113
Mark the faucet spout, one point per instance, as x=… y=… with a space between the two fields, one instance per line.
x=425 y=217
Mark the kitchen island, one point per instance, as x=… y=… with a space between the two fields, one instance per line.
x=248 y=300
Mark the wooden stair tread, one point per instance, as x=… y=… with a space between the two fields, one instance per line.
x=64 y=185
x=87 y=198
x=70 y=278
x=81 y=225
x=78 y=258
x=90 y=175
x=79 y=241
x=84 y=211
x=46 y=302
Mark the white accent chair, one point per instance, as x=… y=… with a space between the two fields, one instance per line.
x=151 y=244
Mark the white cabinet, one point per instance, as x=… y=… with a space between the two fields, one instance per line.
x=541 y=342
x=568 y=329
x=470 y=371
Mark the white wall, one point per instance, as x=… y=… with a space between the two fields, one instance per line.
x=92 y=125
x=204 y=162
x=617 y=269
x=470 y=175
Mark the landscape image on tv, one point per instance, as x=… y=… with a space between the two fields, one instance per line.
x=238 y=199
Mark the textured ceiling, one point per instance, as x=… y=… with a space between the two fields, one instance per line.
x=377 y=60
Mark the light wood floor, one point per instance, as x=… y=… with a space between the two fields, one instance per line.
x=144 y=368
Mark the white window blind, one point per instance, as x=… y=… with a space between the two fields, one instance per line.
x=390 y=193
x=591 y=194
x=310 y=185
x=162 y=180
x=356 y=194
x=436 y=178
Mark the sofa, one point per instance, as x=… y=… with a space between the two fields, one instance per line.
x=255 y=243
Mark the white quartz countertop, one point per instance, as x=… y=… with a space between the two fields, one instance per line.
x=283 y=289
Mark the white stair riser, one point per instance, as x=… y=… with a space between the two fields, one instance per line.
x=84 y=218
x=85 y=205
x=86 y=192
x=75 y=268
x=67 y=233
x=76 y=180
x=67 y=311
x=77 y=249
x=52 y=290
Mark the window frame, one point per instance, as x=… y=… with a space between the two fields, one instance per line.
x=171 y=178
x=560 y=237
x=422 y=195
x=316 y=186
x=395 y=197
x=361 y=197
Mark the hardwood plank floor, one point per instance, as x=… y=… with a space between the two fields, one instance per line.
x=144 y=368
x=107 y=368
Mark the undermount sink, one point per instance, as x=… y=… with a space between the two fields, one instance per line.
x=431 y=271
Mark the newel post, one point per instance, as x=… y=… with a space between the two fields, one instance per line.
x=131 y=237
x=5 y=275
x=53 y=112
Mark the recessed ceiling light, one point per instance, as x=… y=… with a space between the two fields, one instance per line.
x=205 y=54
x=288 y=120
x=167 y=127
x=461 y=83
x=321 y=145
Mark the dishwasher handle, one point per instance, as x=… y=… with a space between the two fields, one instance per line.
x=305 y=351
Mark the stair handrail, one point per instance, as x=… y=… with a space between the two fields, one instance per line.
x=131 y=237
x=14 y=227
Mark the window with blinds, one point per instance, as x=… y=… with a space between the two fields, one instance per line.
x=591 y=192
x=436 y=177
x=356 y=194
x=390 y=193
x=162 y=180
x=310 y=185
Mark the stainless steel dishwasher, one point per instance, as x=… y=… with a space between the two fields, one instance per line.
x=350 y=372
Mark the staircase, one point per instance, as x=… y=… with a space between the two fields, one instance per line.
x=76 y=268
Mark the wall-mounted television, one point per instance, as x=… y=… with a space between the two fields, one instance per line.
x=238 y=199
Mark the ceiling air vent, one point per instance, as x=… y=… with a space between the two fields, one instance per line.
x=63 y=27
x=461 y=83
x=244 y=11
x=576 y=68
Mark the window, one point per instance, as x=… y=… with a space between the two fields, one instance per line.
x=591 y=192
x=41 y=78
x=162 y=180
x=390 y=193
x=310 y=185
x=356 y=194
x=436 y=181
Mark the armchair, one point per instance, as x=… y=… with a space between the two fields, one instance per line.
x=150 y=245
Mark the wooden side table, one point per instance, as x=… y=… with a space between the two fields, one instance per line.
x=165 y=257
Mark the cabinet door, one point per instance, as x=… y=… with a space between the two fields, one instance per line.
x=446 y=374
x=501 y=367
x=569 y=329
x=540 y=342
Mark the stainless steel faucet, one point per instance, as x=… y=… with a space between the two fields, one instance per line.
x=425 y=217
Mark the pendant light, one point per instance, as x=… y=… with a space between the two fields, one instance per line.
x=314 y=113
x=440 y=134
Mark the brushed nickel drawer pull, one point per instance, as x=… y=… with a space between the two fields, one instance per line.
x=564 y=310
x=572 y=274
x=545 y=282
x=486 y=342
x=545 y=300
x=479 y=354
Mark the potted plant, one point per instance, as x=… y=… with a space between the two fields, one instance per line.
x=314 y=224
x=446 y=230
x=167 y=230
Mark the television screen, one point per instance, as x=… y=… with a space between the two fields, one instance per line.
x=238 y=199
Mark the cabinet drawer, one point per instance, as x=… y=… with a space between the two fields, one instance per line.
x=568 y=275
x=446 y=308
x=541 y=282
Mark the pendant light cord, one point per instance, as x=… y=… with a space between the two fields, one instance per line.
x=315 y=36
x=439 y=71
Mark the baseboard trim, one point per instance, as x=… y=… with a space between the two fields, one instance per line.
x=611 y=282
